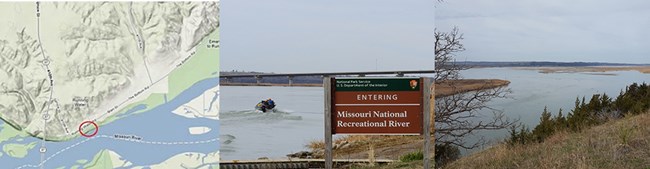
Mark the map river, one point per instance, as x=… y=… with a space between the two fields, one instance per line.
x=155 y=125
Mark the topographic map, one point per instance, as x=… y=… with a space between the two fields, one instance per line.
x=109 y=84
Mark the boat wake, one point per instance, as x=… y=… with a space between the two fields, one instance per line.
x=226 y=140
x=254 y=115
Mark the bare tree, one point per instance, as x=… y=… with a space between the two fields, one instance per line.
x=447 y=44
x=458 y=115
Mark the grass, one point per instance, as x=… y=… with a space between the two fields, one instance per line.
x=318 y=144
x=621 y=143
x=361 y=143
x=413 y=156
x=370 y=144
x=446 y=88
x=401 y=165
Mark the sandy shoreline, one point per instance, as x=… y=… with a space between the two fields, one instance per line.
x=589 y=69
x=447 y=88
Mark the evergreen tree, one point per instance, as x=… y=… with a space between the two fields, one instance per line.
x=545 y=127
x=633 y=100
x=560 y=122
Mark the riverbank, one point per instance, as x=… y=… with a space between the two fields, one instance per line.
x=594 y=69
x=444 y=88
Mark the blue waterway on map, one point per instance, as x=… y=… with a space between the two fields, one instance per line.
x=157 y=125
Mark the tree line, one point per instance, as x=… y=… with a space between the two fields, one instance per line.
x=635 y=99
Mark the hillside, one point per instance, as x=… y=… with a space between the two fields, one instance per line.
x=623 y=143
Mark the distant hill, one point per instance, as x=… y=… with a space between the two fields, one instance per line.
x=318 y=79
x=541 y=64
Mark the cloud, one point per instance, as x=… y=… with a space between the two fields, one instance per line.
x=326 y=36
x=603 y=31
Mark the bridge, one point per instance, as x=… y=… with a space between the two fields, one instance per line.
x=290 y=76
x=293 y=163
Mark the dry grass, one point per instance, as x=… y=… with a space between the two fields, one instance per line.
x=447 y=88
x=618 y=144
x=316 y=145
x=409 y=165
x=361 y=140
x=369 y=146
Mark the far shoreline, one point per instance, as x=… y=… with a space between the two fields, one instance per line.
x=587 y=69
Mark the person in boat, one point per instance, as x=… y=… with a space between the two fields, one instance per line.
x=270 y=103
x=265 y=105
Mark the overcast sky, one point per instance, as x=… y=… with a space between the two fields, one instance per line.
x=550 y=30
x=326 y=36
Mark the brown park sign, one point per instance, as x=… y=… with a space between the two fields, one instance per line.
x=367 y=105
x=377 y=105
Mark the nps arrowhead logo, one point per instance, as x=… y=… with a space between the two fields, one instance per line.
x=413 y=83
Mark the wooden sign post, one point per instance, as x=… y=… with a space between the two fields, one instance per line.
x=376 y=106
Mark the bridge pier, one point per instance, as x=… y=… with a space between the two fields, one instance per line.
x=290 y=80
x=258 y=79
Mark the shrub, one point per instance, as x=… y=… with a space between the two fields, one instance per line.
x=445 y=154
x=412 y=156
x=600 y=108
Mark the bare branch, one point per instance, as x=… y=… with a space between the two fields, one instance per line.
x=446 y=45
x=458 y=115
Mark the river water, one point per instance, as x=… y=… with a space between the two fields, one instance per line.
x=532 y=91
x=249 y=135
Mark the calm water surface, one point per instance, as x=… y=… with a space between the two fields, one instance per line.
x=532 y=91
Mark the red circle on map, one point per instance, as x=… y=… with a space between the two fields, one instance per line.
x=88 y=135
